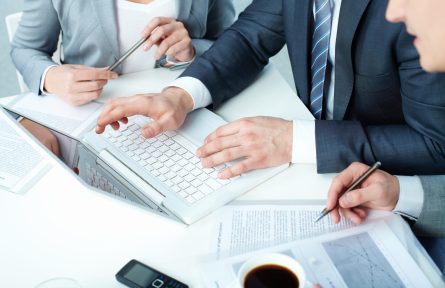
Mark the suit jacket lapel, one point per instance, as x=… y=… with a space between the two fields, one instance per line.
x=298 y=32
x=351 y=12
x=185 y=7
x=107 y=18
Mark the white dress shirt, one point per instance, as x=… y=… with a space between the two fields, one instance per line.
x=131 y=19
x=304 y=146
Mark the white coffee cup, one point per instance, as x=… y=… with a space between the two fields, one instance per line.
x=275 y=259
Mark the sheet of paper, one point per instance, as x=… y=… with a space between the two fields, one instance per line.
x=245 y=228
x=368 y=255
x=21 y=165
x=53 y=113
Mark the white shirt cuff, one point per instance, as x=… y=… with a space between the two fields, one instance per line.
x=411 y=197
x=42 y=80
x=195 y=88
x=303 y=142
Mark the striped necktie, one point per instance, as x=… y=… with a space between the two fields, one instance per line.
x=320 y=50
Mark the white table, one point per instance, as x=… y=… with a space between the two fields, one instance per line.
x=60 y=228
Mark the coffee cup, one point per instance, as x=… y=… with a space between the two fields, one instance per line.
x=271 y=270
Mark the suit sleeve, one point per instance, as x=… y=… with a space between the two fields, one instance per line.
x=431 y=221
x=415 y=147
x=241 y=52
x=35 y=41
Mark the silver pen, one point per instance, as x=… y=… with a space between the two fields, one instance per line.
x=128 y=53
x=352 y=187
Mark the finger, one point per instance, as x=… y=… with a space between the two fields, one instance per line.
x=351 y=215
x=156 y=127
x=94 y=74
x=218 y=145
x=237 y=169
x=342 y=181
x=81 y=67
x=118 y=109
x=358 y=197
x=115 y=125
x=177 y=48
x=84 y=98
x=361 y=212
x=226 y=130
x=156 y=22
x=89 y=86
x=87 y=97
x=335 y=215
x=159 y=34
x=166 y=44
x=223 y=156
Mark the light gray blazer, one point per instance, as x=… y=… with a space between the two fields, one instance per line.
x=90 y=34
x=431 y=221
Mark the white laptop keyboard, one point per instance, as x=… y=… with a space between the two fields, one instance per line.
x=170 y=158
x=96 y=179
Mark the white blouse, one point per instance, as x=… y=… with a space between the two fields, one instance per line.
x=132 y=18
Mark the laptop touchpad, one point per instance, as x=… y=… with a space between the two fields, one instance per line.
x=199 y=124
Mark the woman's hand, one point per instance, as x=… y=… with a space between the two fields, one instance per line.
x=171 y=37
x=77 y=84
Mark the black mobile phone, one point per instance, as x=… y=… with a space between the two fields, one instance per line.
x=138 y=275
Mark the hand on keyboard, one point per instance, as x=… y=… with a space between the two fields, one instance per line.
x=170 y=158
x=168 y=110
x=259 y=142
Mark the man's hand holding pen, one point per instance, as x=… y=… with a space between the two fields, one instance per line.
x=379 y=190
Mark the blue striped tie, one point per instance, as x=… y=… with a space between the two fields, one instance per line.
x=320 y=50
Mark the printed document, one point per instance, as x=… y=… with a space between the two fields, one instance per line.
x=251 y=227
x=21 y=164
x=368 y=255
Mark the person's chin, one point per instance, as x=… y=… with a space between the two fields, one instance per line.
x=426 y=59
x=427 y=62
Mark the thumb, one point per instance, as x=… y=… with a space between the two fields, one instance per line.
x=355 y=198
x=157 y=127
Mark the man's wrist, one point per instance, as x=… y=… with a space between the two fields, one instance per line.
x=184 y=98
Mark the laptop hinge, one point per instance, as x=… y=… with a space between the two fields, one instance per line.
x=132 y=177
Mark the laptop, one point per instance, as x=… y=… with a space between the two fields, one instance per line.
x=162 y=174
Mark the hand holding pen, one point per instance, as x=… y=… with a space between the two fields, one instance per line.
x=378 y=190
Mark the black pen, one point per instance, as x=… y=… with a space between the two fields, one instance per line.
x=352 y=187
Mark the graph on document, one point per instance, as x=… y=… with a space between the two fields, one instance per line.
x=361 y=263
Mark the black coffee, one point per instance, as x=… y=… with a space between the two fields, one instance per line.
x=271 y=276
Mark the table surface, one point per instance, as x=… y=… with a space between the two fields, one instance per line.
x=61 y=228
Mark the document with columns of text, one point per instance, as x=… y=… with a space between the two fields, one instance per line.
x=342 y=255
x=22 y=162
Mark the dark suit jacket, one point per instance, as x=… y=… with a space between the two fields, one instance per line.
x=386 y=108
